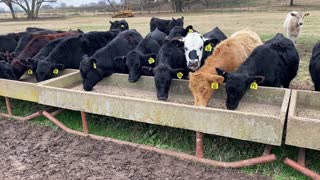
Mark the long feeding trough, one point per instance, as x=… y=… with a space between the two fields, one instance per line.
x=259 y=118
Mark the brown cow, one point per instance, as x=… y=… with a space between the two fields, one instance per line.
x=228 y=55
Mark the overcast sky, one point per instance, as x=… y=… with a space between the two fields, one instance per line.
x=68 y=2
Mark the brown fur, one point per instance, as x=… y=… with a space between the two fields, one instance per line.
x=228 y=55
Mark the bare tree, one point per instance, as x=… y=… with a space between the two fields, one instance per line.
x=31 y=7
x=9 y=4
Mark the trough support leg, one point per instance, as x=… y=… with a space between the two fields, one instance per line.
x=267 y=150
x=8 y=106
x=199 y=145
x=84 y=122
x=302 y=157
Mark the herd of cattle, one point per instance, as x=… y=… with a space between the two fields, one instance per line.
x=168 y=52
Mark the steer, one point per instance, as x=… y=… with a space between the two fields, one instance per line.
x=104 y=62
x=314 y=67
x=157 y=35
x=293 y=24
x=170 y=64
x=69 y=52
x=228 y=55
x=198 y=47
x=274 y=64
x=165 y=25
x=121 y=25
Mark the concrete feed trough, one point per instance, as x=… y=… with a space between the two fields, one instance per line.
x=26 y=88
x=304 y=120
x=259 y=118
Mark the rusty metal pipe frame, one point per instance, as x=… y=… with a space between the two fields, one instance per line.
x=300 y=165
x=301 y=169
x=238 y=164
x=26 y=118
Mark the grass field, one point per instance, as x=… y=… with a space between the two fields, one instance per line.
x=266 y=24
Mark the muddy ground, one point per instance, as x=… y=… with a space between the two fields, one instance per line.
x=28 y=151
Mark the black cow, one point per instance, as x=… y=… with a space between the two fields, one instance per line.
x=69 y=53
x=35 y=29
x=157 y=35
x=275 y=64
x=165 y=25
x=143 y=55
x=7 y=43
x=314 y=67
x=171 y=63
x=179 y=32
x=6 y=71
x=31 y=63
x=121 y=25
x=104 y=62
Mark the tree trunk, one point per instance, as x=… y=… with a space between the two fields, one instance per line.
x=291 y=3
x=178 y=5
x=12 y=11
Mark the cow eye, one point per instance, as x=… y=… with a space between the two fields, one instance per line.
x=201 y=48
x=186 y=49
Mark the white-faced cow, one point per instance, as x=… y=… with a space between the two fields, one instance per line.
x=293 y=24
x=198 y=48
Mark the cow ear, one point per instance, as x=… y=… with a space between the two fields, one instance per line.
x=293 y=14
x=213 y=41
x=120 y=58
x=257 y=79
x=173 y=19
x=189 y=29
x=111 y=22
x=149 y=56
x=177 y=42
x=222 y=73
x=120 y=61
x=182 y=18
x=58 y=66
x=147 y=70
x=214 y=78
x=306 y=14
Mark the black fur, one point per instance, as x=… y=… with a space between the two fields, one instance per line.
x=314 y=67
x=165 y=25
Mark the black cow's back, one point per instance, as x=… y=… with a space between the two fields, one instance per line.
x=314 y=67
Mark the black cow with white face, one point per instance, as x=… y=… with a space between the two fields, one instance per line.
x=121 y=25
x=274 y=64
x=165 y=25
x=314 y=67
x=170 y=64
x=106 y=60
x=198 y=47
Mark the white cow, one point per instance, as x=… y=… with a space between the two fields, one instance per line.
x=293 y=24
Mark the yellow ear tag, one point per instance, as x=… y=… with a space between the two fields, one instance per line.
x=30 y=72
x=122 y=25
x=208 y=48
x=254 y=86
x=56 y=71
x=179 y=75
x=214 y=85
x=190 y=31
x=94 y=65
x=151 y=60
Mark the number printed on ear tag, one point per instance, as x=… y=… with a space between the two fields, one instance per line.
x=254 y=86
x=214 y=85
x=151 y=60
x=94 y=65
x=30 y=72
x=208 y=48
x=179 y=75
x=56 y=71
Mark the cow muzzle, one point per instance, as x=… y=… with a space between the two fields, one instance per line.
x=193 y=64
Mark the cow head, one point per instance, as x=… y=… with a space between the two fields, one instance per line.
x=91 y=73
x=200 y=86
x=237 y=85
x=46 y=70
x=176 y=22
x=30 y=64
x=6 y=71
x=299 y=17
x=121 y=25
x=194 y=46
x=163 y=75
x=179 y=32
x=135 y=61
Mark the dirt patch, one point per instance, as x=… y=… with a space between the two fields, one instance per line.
x=28 y=151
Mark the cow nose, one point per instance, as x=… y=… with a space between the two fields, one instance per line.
x=193 y=55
